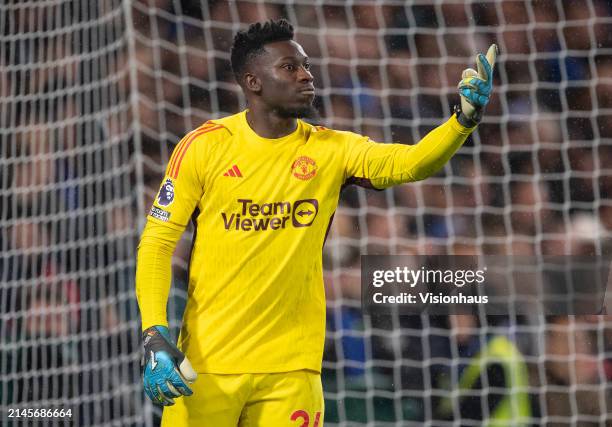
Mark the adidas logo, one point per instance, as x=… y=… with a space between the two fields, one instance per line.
x=234 y=171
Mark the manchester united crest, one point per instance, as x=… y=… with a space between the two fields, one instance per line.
x=304 y=168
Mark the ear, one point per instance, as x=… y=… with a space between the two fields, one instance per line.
x=252 y=82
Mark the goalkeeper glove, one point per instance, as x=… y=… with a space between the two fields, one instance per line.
x=475 y=88
x=167 y=372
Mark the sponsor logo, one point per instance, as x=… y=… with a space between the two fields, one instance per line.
x=166 y=193
x=253 y=216
x=304 y=168
x=159 y=213
x=304 y=212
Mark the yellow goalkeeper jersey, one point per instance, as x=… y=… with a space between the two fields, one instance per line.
x=262 y=208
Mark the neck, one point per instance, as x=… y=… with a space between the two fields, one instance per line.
x=268 y=124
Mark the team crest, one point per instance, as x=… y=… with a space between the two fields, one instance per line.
x=304 y=168
x=166 y=193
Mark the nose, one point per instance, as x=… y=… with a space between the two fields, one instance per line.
x=305 y=75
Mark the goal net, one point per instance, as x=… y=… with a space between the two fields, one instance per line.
x=69 y=190
x=95 y=95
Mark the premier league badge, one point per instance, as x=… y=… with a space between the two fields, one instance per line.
x=166 y=193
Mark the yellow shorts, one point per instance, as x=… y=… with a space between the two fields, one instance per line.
x=248 y=400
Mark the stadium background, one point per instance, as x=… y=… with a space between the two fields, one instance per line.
x=94 y=96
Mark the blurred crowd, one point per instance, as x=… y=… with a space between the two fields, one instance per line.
x=69 y=330
x=536 y=166
x=532 y=180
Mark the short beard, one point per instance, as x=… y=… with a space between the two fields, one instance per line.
x=305 y=112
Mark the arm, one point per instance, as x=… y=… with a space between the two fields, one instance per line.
x=167 y=372
x=153 y=272
x=384 y=165
x=181 y=190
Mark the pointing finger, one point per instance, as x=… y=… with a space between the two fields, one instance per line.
x=484 y=68
x=492 y=55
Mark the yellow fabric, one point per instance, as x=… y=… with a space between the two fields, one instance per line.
x=248 y=400
x=154 y=270
x=256 y=298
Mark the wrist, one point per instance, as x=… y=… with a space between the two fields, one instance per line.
x=153 y=321
x=156 y=330
x=464 y=120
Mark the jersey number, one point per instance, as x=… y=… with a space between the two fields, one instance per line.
x=303 y=415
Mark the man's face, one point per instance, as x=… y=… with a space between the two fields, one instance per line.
x=286 y=82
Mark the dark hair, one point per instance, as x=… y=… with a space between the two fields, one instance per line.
x=250 y=43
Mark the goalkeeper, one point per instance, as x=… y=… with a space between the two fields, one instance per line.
x=261 y=188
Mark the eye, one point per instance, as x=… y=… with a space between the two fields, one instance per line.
x=289 y=67
x=307 y=65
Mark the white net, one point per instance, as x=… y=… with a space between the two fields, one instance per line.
x=533 y=180
x=69 y=332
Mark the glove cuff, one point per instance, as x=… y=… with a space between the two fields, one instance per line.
x=163 y=330
x=157 y=338
x=464 y=120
